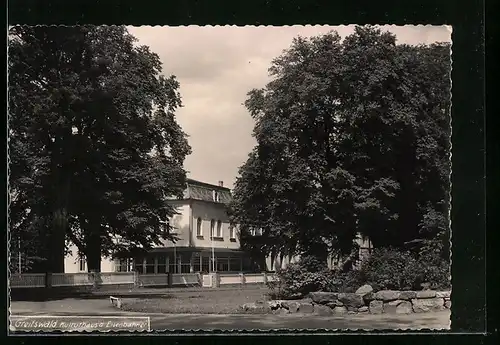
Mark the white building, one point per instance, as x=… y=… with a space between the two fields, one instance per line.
x=206 y=240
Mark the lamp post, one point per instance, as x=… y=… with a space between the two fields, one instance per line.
x=175 y=258
x=213 y=255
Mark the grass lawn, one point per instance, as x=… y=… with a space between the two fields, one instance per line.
x=223 y=301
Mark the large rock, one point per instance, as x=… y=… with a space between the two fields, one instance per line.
x=387 y=295
x=427 y=304
x=407 y=295
x=398 y=307
x=323 y=297
x=363 y=309
x=335 y=304
x=364 y=290
x=390 y=307
x=320 y=309
x=368 y=297
x=443 y=294
x=256 y=308
x=291 y=306
x=404 y=308
x=351 y=300
x=274 y=305
x=339 y=310
x=281 y=311
x=426 y=294
x=376 y=307
x=305 y=307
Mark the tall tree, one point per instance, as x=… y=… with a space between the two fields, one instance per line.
x=95 y=121
x=352 y=137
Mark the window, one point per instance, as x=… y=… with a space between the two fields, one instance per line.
x=162 y=264
x=222 y=264
x=123 y=265
x=139 y=267
x=196 y=262
x=82 y=264
x=199 y=230
x=215 y=196
x=173 y=263
x=219 y=229
x=232 y=232
x=206 y=265
x=150 y=264
x=212 y=228
x=234 y=264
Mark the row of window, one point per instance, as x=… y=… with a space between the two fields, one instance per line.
x=181 y=264
x=215 y=232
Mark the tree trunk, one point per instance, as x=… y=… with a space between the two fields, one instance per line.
x=57 y=241
x=60 y=223
x=93 y=251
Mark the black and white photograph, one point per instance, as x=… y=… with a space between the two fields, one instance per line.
x=186 y=178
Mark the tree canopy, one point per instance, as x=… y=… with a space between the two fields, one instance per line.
x=95 y=148
x=353 y=136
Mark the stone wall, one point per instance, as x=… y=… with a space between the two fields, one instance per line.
x=363 y=301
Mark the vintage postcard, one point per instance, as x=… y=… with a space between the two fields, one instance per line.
x=229 y=178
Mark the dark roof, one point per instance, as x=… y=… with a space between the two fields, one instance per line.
x=205 y=184
x=199 y=192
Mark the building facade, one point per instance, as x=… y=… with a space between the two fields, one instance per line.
x=206 y=241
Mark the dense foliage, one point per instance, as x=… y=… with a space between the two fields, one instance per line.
x=298 y=279
x=94 y=144
x=385 y=269
x=388 y=269
x=352 y=137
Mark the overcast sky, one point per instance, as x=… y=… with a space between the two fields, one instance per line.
x=217 y=66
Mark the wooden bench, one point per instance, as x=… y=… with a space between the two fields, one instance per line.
x=116 y=302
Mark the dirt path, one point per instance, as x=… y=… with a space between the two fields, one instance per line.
x=194 y=322
x=435 y=320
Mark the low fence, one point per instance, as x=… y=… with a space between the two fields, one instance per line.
x=224 y=279
x=255 y=278
x=170 y=280
x=40 y=280
x=29 y=280
x=37 y=280
x=231 y=279
x=83 y=279
x=191 y=279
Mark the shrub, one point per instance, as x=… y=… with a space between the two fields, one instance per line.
x=312 y=264
x=387 y=268
x=344 y=281
x=434 y=270
x=299 y=279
